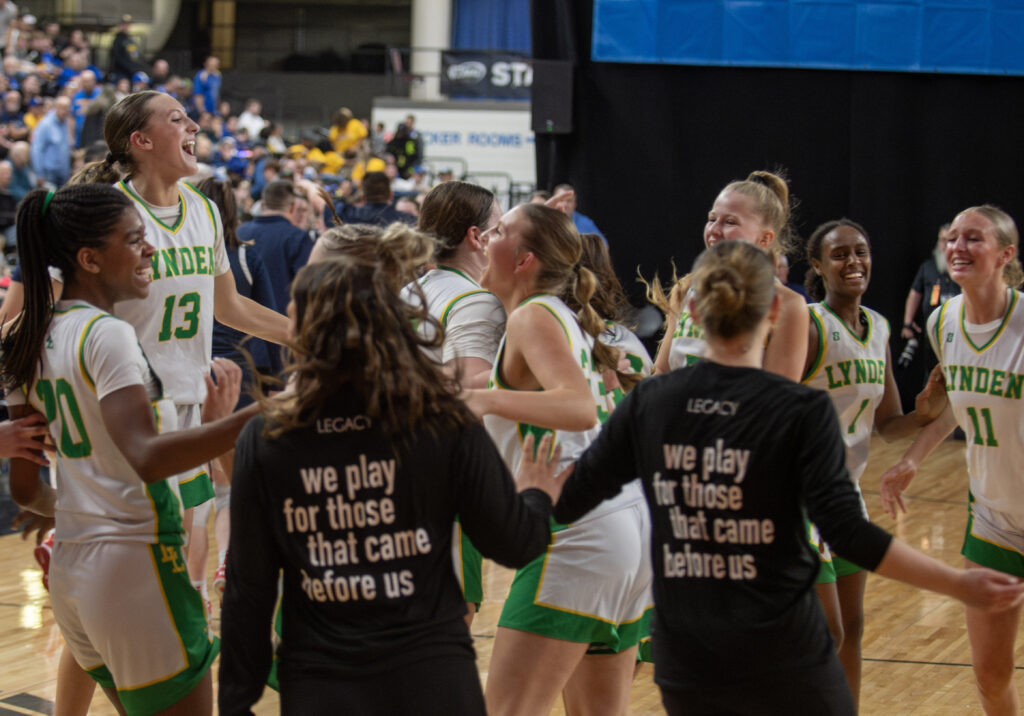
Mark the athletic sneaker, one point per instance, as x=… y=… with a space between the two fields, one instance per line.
x=220 y=579
x=42 y=553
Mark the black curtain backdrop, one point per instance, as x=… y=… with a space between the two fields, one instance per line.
x=900 y=153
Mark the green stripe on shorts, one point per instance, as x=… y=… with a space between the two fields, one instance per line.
x=101 y=675
x=521 y=612
x=645 y=653
x=272 y=680
x=196 y=490
x=989 y=554
x=189 y=616
x=826 y=574
x=844 y=567
x=167 y=508
x=472 y=569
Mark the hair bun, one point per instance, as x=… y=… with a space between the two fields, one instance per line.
x=734 y=286
x=776 y=183
x=724 y=286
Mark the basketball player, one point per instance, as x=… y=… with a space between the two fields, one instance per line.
x=118 y=520
x=578 y=612
x=461 y=215
x=755 y=210
x=978 y=338
x=848 y=357
x=152 y=147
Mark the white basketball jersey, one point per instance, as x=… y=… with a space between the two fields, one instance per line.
x=448 y=289
x=620 y=337
x=984 y=382
x=87 y=355
x=508 y=435
x=688 y=344
x=175 y=322
x=852 y=372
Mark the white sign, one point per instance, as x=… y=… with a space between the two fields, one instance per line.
x=488 y=140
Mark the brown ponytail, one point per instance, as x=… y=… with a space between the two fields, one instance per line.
x=130 y=114
x=553 y=239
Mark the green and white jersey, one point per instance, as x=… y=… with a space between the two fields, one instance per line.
x=620 y=337
x=852 y=371
x=984 y=370
x=175 y=322
x=508 y=435
x=688 y=344
x=88 y=354
x=472 y=317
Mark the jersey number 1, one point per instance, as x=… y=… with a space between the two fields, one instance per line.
x=853 y=425
x=990 y=436
x=189 y=302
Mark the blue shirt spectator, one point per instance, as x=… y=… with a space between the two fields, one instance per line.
x=206 y=86
x=11 y=112
x=72 y=71
x=584 y=224
x=81 y=99
x=51 y=144
x=23 y=179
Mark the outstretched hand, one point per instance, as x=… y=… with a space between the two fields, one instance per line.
x=932 y=400
x=894 y=482
x=537 y=468
x=20 y=438
x=562 y=202
x=222 y=395
x=990 y=590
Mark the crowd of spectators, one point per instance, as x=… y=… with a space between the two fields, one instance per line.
x=55 y=98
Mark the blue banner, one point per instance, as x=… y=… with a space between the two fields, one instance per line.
x=957 y=36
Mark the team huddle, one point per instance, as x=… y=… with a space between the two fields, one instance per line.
x=469 y=389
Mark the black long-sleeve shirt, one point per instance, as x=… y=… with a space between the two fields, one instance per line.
x=362 y=529
x=732 y=461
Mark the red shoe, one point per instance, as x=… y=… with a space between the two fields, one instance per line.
x=220 y=579
x=42 y=553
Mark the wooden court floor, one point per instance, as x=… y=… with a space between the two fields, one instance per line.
x=916 y=655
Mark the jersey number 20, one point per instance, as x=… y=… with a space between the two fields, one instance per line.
x=62 y=399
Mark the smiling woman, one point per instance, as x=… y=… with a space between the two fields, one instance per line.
x=848 y=357
x=151 y=144
x=982 y=330
x=152 y=147
x=755 y=210
x=118 y=536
